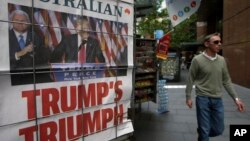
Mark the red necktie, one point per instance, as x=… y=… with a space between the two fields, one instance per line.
x=82 y=53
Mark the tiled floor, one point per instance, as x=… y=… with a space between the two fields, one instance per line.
x=179 y=124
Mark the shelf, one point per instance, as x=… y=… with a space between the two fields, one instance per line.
x=145 y=77
x=145 y=52
x=144 y=49
x=143 y=100
x=153 y=40
x=145 y=86
x=146 y=70
x=143 y=94
x=143 y=57
x=145 y=73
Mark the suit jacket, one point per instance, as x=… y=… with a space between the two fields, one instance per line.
x=41 y=54
x=25 y=63
x=69 y=48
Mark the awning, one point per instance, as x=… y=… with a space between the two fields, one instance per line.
x=190 y=46
x=143 y=7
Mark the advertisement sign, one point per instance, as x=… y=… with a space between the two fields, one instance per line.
x=170 y=67
x=180 y=10
x=162 y=47
x=60 y=69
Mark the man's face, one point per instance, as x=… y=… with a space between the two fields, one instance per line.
x=20 y=27
x=83 y=29
x=214 y=44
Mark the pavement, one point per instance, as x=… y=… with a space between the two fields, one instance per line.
x=179 y=123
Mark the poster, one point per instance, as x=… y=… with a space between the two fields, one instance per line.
x=49 y=91
x=180 y=10
x=162 y=46
x=170 y=67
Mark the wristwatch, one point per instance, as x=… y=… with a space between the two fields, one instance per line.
x=237 y=99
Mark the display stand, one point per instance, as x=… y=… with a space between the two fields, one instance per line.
x=162 y=97
x=146 y=71
x=170 y=68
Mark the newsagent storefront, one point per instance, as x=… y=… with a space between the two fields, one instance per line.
x=64 y=68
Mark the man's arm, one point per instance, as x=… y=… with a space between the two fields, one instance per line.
x=227 y=83
x=98 y=51
x=57 y=53
x=240 y=104
x=41 y=51
x=190 y=81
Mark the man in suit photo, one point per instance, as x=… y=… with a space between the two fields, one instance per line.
x=26 y=49
x=78 y=48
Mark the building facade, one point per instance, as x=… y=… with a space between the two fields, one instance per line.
x=231 y=18
x=236 y=40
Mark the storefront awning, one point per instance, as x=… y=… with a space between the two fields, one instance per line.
x=190 y=46
x=143 y=7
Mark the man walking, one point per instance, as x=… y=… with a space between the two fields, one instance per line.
x=209 y=73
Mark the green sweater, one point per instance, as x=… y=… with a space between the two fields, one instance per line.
x=209 y=77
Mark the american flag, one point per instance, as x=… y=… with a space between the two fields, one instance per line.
x=49 y=25
x=113 y=39
x=55 y=24
x=69 y=24
x=12 y=7
x=41 y=21
x=52 y=25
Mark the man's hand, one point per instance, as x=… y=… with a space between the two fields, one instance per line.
x=28 y=48
x=189 y=103
x=240 y=105
x=24 y=51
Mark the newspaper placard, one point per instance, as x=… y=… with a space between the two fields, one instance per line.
x=63 y=68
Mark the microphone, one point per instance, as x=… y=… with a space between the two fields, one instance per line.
x=82 y=44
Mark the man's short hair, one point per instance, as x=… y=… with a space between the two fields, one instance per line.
x=81 y=19
x=208 y=37
x=21 y=13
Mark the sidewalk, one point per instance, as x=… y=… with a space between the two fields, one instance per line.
x=179 y=124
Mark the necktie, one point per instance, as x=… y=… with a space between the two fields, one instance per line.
x=21 y=42
x=82 y=53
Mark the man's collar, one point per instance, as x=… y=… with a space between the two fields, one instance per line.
x=209 y=57
x=17 y=34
